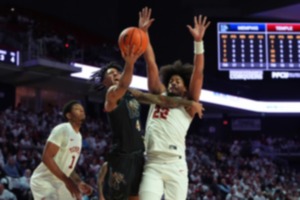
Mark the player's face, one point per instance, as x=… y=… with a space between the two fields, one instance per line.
x=77 y=113
x=112 y=77
x=176 y=86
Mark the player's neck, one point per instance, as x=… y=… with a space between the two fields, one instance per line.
x=76 y=126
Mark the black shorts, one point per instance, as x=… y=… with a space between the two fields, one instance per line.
x=124 y=174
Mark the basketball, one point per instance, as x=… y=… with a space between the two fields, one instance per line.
x=133 y=36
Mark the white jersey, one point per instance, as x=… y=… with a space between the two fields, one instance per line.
x=69 y=142
x=166 y=129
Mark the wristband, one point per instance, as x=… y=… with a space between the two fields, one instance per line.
x=198 y=47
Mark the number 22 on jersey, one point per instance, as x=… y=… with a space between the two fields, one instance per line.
x=160 y=112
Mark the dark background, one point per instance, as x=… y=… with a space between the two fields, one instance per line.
x=99 y=22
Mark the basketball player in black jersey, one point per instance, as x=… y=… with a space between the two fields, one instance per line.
x=126 y=157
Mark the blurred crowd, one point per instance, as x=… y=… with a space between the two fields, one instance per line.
x=240 y=170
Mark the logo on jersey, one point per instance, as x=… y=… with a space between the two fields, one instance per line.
x=138 y=125
x=75 y=149
x=116 y=179
x=134 y=108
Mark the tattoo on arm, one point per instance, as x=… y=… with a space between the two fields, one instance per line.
x=174 y=102
x=164 y=101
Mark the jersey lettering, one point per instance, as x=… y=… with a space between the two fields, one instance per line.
x=72 y=162
x=160 y=112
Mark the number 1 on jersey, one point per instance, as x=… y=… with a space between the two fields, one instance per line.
x=72 y=162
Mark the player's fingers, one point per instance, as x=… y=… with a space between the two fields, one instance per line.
x=149 y=13
x=145 y=11
x=200 y=19
x=128 y=50
x=189 y=27
x=207 y=25
x=204 y=20
x=140 y=52
x=195 y=20
x=132 y=50
x=151 y=21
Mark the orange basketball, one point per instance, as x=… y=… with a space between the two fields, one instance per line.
x=133 y=36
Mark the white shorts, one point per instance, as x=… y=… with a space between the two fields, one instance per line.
x=45 y=190
x=168 y=178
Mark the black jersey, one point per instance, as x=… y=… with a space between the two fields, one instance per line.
x=126 y=126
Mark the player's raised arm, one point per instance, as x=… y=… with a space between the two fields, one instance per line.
x=154 y=83
x=198 y=31
x=192 y=107
x=117 y=91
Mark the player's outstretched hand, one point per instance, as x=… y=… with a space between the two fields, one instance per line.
x=131 y=54
x=145 y=19
x=196 y=108
x=200 y=26
x=85 y=188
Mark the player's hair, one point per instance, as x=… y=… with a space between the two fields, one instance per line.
x=177 y=68
x=68 y=107
x=96 y=79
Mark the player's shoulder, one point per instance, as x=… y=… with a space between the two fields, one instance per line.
x=61 y=127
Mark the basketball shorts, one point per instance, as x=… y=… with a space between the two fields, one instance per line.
x=124 y=174
x=164 y=178
x=45 y=190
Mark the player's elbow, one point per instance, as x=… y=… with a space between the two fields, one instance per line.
x=45 y=159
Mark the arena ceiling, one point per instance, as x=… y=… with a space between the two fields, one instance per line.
x=105 y=20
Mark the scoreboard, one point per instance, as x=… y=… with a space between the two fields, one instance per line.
x=9 y=57
x=258 y=46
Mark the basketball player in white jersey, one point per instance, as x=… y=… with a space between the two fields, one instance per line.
x=125 y=160
x=55 y=177
x=165 y=172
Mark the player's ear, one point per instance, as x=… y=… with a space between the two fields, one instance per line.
x=68 y=116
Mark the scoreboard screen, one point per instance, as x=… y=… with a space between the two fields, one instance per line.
x=9 y=57
x=259 y=47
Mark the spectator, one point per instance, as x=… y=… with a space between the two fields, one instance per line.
x=5 y=194
x=11 y=169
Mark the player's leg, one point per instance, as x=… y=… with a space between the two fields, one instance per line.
x=102 y=182
x=176 y=187
x=119 y=177
x=152 y=186
x=136 y=174
x=41 y=189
